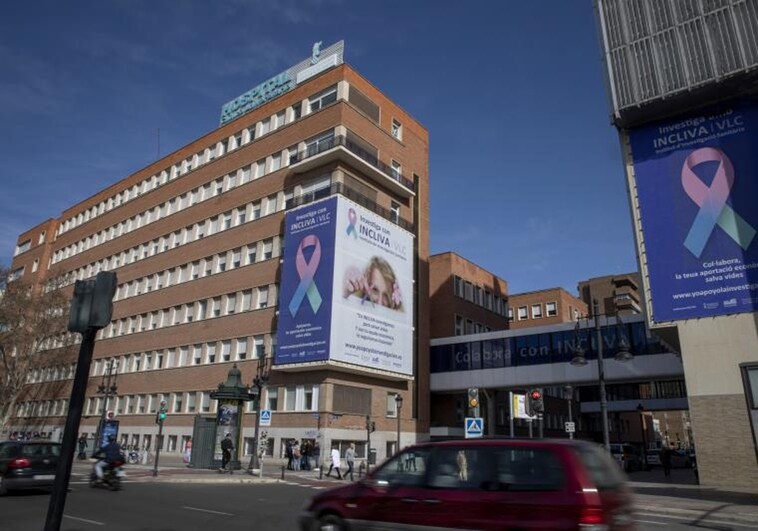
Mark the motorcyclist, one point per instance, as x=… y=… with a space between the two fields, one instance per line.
x=111 y=454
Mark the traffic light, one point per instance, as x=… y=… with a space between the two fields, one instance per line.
x=535 y=405
x=373 y=426
x=370 y=425
x=161 y=414
x=473 y=397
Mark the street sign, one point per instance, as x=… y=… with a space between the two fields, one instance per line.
x=519 y=407
x=265 y=417
x=474 y=427
x=570 y=427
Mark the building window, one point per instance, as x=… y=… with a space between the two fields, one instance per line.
x=397 y=170
x=226 y=350
x=459 y=326
x=242 y=348
x=551 y=309
x=272 y=396
x=536 y=311
x=522 y=313
x=323 y=99
x=210 y=354
x=395 y=212
x=510 y=314
x=458 y=286
x=397 y=130
x=262 y=297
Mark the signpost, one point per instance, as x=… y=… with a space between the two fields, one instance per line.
x=474 y=427
x=570 y=427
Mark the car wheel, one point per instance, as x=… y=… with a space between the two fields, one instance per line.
x=331 y=522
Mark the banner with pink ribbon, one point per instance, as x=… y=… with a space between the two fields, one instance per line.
x=696 y=180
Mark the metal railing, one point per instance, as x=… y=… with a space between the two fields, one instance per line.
x=353 y=195
x=324 y=145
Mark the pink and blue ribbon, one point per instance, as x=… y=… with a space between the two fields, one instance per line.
x=352 y=219
x=712 y=202
x=306 y=270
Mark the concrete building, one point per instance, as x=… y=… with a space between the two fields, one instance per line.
x=543 y=307
x=197 y=241
x=464 y=298
x=682 y=83
x=614 y=293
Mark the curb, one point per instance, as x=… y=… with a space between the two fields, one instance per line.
x=697 y=514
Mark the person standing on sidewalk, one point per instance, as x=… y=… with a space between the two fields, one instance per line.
x=350 y=458
x=296 y=456
x=335 y=464
x=666 y=460
x=227 y=446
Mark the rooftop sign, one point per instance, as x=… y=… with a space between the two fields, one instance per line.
x=319 y=61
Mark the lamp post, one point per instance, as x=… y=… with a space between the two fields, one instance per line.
x=641 y=411
x=106 y=388
x=399 y=406
x=622 y=354
x=259 y=384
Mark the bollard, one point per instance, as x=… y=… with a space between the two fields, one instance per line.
x=283 y=471
x=321 y=472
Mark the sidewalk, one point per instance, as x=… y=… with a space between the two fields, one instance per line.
x=682 y=497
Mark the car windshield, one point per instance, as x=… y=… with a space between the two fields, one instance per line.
x=603 y=472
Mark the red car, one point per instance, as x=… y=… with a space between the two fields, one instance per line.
x=485 y=484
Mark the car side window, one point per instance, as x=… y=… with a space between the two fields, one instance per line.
x=461 y=468
x=6 y=451
x=528 y=469
x=405 y=469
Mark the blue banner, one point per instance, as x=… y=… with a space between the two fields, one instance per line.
x=305 y=301
x=697 y=182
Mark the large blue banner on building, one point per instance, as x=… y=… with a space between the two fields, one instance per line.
x=305 y=301
x=697 y=183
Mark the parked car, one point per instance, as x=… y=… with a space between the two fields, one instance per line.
x=627 y=457
x=27 y=464
x=486 y=484
x=679 y=458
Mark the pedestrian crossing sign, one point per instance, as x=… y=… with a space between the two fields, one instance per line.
x=474 y=427
x=265 y=417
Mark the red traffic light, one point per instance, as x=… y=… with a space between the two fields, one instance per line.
x=535 y=395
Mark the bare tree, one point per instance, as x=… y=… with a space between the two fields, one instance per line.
x=33 y=330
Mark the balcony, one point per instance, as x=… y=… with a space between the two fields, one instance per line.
x=340 y=148
x=353 y=195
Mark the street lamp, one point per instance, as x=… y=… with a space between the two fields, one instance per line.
x=641 y=411
x=106 y=388
x=259 y=384
x=622 y=354
x=399 y=407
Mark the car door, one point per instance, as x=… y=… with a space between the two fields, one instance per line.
x=393 y=493
x=7 y=452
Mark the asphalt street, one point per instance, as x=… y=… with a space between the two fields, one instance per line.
x=260 y=507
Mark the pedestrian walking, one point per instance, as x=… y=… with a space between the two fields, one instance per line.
x=306 y=451
x=82 y=447
x=350 y=459
x=227 y=446
x=335 y=464
x=188 y=451
x=666 y=460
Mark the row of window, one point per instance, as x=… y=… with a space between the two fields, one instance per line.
x=220 y=306
x=479 y=296
x=228 y=220
x=211 y=265
x=207 y=227
x=176 y=204
x=551 y=310
x=465 y=326
x=221 y=351
x=51 y=374
x=43 y=408
x=237 y=140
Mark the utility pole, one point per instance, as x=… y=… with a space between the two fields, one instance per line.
x=106 y=388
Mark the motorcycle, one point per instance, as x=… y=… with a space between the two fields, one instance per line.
x=111 y=477
x=133 y=457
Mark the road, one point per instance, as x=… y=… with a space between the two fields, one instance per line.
x=187 y=507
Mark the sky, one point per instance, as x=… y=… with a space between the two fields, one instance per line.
x=526 y=178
